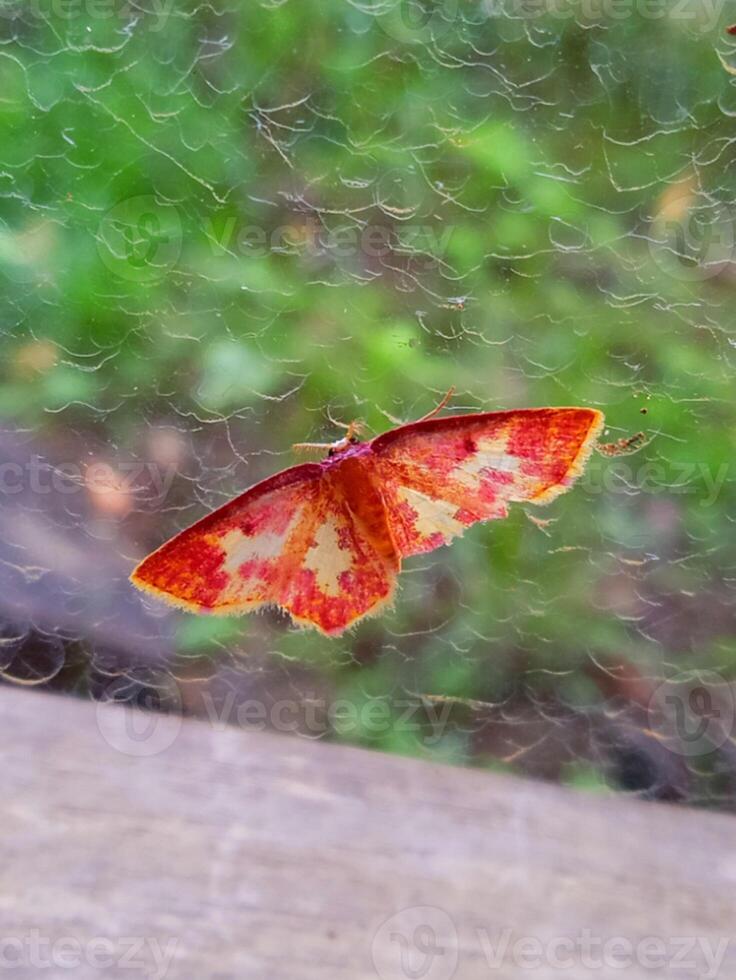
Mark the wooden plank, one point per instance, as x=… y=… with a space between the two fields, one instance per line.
x=226 y=854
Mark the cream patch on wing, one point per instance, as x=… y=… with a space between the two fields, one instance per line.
x=327 y=559
x=490 y=454
x=433 y=516
x=240 y=547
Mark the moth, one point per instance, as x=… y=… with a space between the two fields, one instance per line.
x=324 y=540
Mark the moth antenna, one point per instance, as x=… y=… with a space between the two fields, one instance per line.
x=305 y=447
x=439 y=407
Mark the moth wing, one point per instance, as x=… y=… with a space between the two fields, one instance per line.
x=289 y=541
x=342 y=572
x=441 y=475
x=232 y=559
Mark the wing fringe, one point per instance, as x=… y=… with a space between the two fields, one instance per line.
x=576 y=468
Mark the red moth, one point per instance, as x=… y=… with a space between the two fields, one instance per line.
x=325 y=540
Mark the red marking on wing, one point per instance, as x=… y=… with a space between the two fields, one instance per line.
x=349 y=567
x=323 y=540
x=441 y=475
x=292 y=541
x=230 y=560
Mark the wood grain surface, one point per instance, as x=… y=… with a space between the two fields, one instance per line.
x=150 y=846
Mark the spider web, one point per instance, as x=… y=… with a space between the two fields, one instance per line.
x=224 y=224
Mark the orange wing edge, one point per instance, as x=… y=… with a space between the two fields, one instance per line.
x=380 y=606
x=294 y=474
x=235 y=609
x=240 y=608
x=577 y=466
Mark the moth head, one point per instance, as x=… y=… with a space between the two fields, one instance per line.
x=342 y=444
